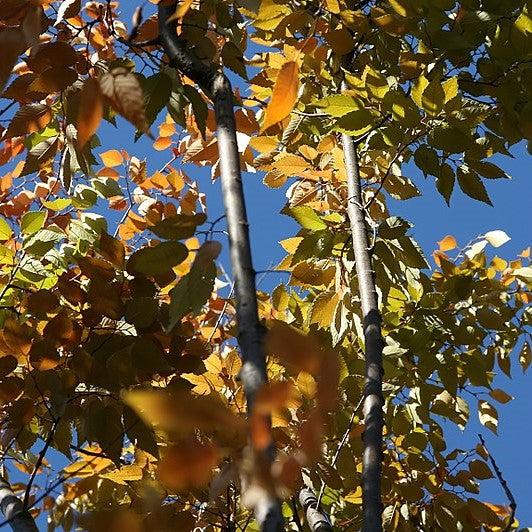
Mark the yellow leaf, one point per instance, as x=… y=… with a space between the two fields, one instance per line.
x=447 y=243
x=90 y=111
x=181 y=10
x=355 y=497
x=284 y=95
x=111 y=158
x=450 y=88
x=124 y=474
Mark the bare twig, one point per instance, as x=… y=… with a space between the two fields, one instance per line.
x=504 y=486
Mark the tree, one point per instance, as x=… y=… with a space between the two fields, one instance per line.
x=123 y=353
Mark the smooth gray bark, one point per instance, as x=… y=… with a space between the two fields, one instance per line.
x=371 y=318
x=317 y=521
x=253 y=375
x=13 y=510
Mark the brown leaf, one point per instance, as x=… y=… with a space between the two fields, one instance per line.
x=284 y=95
x=29 y=119
x=31 y=26
x=125 y=95
x=90 y=111
x=54 y=79
x=12 y=44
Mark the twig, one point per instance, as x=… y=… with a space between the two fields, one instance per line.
x=342 y=443
x=504 y=486
x=38 y=465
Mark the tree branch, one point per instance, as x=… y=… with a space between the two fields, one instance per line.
x=267 y=508
x=504 y=486
x=373 y=344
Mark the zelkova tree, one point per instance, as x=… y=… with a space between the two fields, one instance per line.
x=143 y=387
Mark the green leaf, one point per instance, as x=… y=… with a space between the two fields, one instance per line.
x=5 y=230
x=157 y=260
x=31 y=222
x=178 y=226
x=192 y=291
x=198 y=106
x=42 y=241
x=472 y=185
x=355 y=123
x=157 y=90
x=426 y=160
x=58 y=205
x=339 y=105
x=433 y=98
x=445 y=182
x=488 y=416
x=306 y=218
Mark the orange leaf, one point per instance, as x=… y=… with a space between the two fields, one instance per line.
x=162 y=143
x=90 y=111
x=111 y=158
x=448 y=243
x=188 y=464
x=284 y=95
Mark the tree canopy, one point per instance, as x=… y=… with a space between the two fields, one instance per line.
x=122 y=390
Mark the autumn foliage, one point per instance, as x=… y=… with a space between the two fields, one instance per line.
x=120 y=392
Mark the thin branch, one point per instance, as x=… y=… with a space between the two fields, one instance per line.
x=38 y=465
x=504 y=486
x=342 y=443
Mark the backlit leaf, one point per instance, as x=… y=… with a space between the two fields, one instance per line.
x=284 y=95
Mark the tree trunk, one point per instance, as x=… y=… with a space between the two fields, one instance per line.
x=373 y=399
x=13 y=509
x=253 y=375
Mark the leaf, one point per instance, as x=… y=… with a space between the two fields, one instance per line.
x=112 y=158
x=29 y=119
x=157 y=260
x=181 y=10
x=433 y=98
x=479 y=469
x=450 y=88
x=445 y=182
x=497 y=238
x=124 y=93
x=39 y=155
x=447 y=243
x=124 y=475
x=472 y=185
x=188 y=465
x=12 y=44
x=178 y=226
x=284 y=95
x=90 y=111
x=67 y=9
x=501 y=396
x=177 y=411
x=525 y=356
x=31 y=222
x=157 y=89
x=339 y=105
x=306 y=217
x=488 y=416
x=5 y=230
x=194 y=289
x=355 y=123
x=54 y=79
